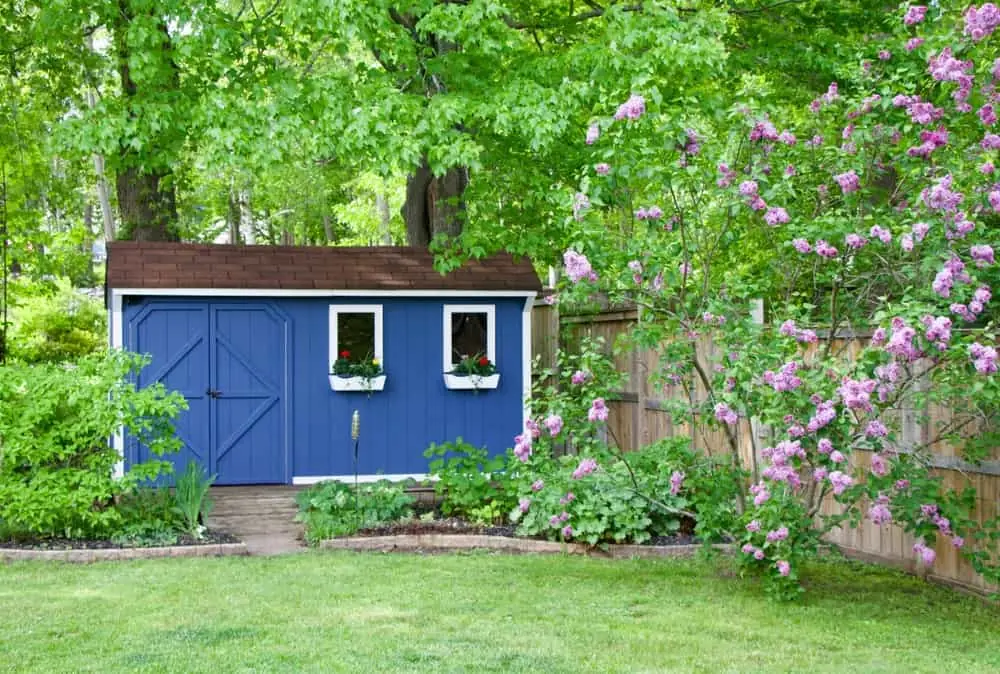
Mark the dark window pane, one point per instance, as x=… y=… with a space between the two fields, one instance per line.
x=356 y=334
x=468 y=335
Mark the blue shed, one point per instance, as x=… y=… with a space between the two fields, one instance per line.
x=251 y=335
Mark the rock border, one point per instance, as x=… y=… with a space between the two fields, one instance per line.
x=460 y=542
x=86 y=555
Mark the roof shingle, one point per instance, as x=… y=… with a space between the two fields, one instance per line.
x=145 y=264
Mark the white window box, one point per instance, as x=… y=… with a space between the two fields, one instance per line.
x=338 y=383
x=472 y=382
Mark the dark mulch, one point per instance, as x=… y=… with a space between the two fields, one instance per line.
x=451 y=525
x=209 y=538
x=456 y=525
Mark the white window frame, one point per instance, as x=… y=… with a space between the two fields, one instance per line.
x=337 y=309
x=491 y=330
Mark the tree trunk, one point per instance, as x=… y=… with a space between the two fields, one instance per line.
x=434 y=205
x=233 y=217
x=146 y=198
x=328 y=229
x=103 y=194
x=385 y=218
x=246 y=218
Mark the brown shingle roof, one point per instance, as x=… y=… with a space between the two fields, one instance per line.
x=144 y=264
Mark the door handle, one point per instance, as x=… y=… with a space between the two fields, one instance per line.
x=212 y=393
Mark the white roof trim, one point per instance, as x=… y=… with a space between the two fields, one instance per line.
x=306 y=292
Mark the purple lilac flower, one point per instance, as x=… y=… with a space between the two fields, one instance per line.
x=554 y=423
x=580 y=377
x=984 y=358
x=840 y=482
x=598 y=410
x=602 y=169
x=578 y=267
x=776 y=216
x=524 y=504
x=537 y=485
x=779 y=534
x=753 y=526
x=982 y=254
x=593 y=133
x=676 y=481
x=784 y=568
x=823 y=249
x=849 y=181
x=522 y=447
x=927 y=555
x=981 y=22
x=633 y=108
x=802 y=246
x=726 y=414
x=913 y=43
x=586 y=467
x=915 y=14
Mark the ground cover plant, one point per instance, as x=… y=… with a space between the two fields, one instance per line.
x=346 y=612
x=333 y=508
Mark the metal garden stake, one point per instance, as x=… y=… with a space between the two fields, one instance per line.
x=355 y=434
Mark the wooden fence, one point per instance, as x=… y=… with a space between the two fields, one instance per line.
x=637 y=417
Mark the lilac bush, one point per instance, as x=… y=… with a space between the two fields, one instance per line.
x=873 y=244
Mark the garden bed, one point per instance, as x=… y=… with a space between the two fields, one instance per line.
x=451 y=542
x=67 y=550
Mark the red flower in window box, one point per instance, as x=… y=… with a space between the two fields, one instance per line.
x=484 y=361
x=345 y=354
x=474 y=365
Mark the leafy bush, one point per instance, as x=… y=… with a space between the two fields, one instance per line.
x=56 y=462
x=191 y=495
x=331 y=509
x=149 y=517
x=57 y=327
x=470 y=484
x=626 y=499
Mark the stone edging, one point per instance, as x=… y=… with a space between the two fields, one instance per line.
x=86 y=555
x=451 y=542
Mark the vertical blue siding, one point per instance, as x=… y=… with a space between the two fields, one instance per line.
x=398 y=423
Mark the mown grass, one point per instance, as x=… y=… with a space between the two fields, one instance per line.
x=346 y=612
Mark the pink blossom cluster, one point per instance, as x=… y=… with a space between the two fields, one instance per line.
x=779 y=534
x=830 y=96
x=537 y=485
x=602 y=169
x=929 y=141
x=633 y=108
x=651 y=213
x=901 y=342
x=781 y=468
x=522 y=447
x=946 y=68
x=802 y=246
x=554 y=424
x=982 y=255
x=763 y=130
x=856 y=394
x=726 y=414
x=776 y=216
x=824 y=249
x=760 y=494
x=915 y=14
x=728 y=176
x=524 y=504
x=940 y=197
x=750 y=549
x=580 y=205
x=676 y=482
x=913 y=43
x=586 y=467
x=855 y=241
x=984 y=358
x=938 y=330
x=598 y=410
x=748 y=188
x=593 y=133
x=849 y=181
x=981 y=22
x=567 y=499
x=876 y=429
x=879 y=465
x=987 y=115
x=826 y=412
x=578 y=267
x=805 y=336
x=579 y=377
x=556 y=520
x=840 y=482
x=879 y=513
x=785 y=379
x=927 y=555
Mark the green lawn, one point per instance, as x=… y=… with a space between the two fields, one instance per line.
x=346 y=612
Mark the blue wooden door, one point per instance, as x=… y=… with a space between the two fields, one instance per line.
x=249 y=370
x=176 y=337
x=230 y=362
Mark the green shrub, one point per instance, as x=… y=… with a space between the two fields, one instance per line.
x=57 y=327
x=149 y=517
x=470 y=484
x=629 y=498
x=191 y=495
x=56 y=461
x=330 y=509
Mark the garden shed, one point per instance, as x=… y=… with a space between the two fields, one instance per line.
x=252 y=337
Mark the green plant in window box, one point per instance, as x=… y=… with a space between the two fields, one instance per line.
x=367 y=368
x=478 y=365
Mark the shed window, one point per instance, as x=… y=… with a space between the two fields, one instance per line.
x=469 y=330
x=357 y=330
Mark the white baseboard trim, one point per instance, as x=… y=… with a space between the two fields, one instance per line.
x=391 y=477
